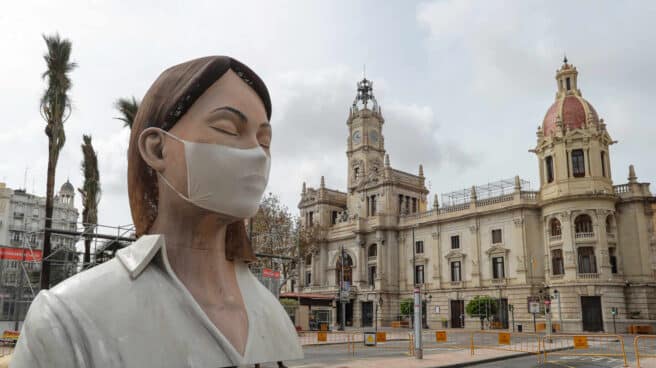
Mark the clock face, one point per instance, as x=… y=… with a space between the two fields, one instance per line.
x=373 y=136
x=357 y=137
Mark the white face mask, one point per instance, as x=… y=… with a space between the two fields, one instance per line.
x=224 y=179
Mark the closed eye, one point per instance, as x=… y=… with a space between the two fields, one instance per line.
x=224 y=131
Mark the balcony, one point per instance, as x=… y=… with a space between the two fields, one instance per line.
x=588 y=276
x=555 y=238
x=456 y=284
x=584 y=235
x=501 y=281
x=610 y=236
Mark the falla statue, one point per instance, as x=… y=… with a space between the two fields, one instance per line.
x=182 y=294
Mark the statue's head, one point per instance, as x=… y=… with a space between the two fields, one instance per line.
x=199 y=147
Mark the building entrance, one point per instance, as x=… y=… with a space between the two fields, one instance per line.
x=367 y=314
x=349 y=313
x=457 y=313
x=591 y=312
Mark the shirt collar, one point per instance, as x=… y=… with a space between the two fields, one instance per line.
x=136 y=257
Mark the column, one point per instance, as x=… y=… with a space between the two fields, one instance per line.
x=323 y=266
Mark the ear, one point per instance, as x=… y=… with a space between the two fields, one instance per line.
x=151 y=145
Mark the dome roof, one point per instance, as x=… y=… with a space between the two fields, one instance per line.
x=573 y=112
x=570 y=107
x=67 y=187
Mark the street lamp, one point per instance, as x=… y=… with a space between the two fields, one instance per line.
x=560 y=314
x=427 y=300
x=380 y=304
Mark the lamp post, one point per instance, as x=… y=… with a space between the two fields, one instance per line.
x=380 y=304
x=560 y=314
x=427 y=299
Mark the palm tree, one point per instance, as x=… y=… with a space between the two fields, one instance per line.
x=55 y=110
x=90 y=192
x=128 y=109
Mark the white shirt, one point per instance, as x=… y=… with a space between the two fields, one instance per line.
x=134 y=312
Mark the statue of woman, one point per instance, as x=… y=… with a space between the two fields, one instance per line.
x=182 y=294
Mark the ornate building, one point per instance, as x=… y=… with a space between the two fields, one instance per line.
x=584 y=243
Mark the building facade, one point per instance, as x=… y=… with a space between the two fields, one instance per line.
x=579 y=241
x=22 y=220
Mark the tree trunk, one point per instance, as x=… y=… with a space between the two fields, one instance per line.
x=50 y=188
x=87 y=252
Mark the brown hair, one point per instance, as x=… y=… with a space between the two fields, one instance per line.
x=167 y=100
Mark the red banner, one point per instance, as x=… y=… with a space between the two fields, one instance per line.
x=269 y=273
x=17 y=254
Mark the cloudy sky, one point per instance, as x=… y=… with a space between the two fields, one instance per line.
x=463 y=84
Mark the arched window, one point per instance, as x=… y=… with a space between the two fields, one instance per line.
x=583 y=224
x=610 y=224
x=347 y=269
x=373 y=251
x=554 y=227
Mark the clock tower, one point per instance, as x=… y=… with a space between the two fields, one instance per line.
x=365 y=146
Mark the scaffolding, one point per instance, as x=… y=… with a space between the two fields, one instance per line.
x=489 y=190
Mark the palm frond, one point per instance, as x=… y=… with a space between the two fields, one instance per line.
x=128 y=108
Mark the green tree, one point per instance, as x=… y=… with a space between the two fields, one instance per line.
x=128 y=108
x=406 y=307
x=55 y=108
x=483 y=307
x=90 y=192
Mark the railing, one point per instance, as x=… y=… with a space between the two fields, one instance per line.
x=498 y=281
x=584 y=235
x=455 y=208
x=529 y=195
x=456 y=283
x=588 y=276
x=578 y=346
x=622 y=188
x=554 y=238
x=647 y=350
x=494 y=200
x=610 y=235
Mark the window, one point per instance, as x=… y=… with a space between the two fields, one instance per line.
x=419 y=247
x=308 y=259
x=293 y=285
x=455 y=242
x=496 y=236
x=419 y=274
x=497 y=268
x=609 y=224
x=583 y=224
x=603 y=163
x=557 y=267
x=455 y=271
x=554 y=227
x=311 y=218
x=356 y=173
x=414 y=205
x=587 y=261
x=346 y=269
x=373 y=251
x=373 y=205
x=613 y=260
x=333 y=217
x=568 y=84
x=578 y=163
x=400 y=203
x=372 y=275
x=549 y=166
x=15 y=236
x=308 y=278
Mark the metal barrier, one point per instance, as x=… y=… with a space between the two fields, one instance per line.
x=507 y=341
x=650 y=342
x=610 y=346
x=395 y=343
x=324 y=337
x=448 y=339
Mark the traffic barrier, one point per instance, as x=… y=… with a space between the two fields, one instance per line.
x=323 y=337
x=507 y=341
x=397 y=344
x=601 y=345
x=447 y=339
x=641 y=344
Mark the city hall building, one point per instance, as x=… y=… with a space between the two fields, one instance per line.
x=579 y=237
